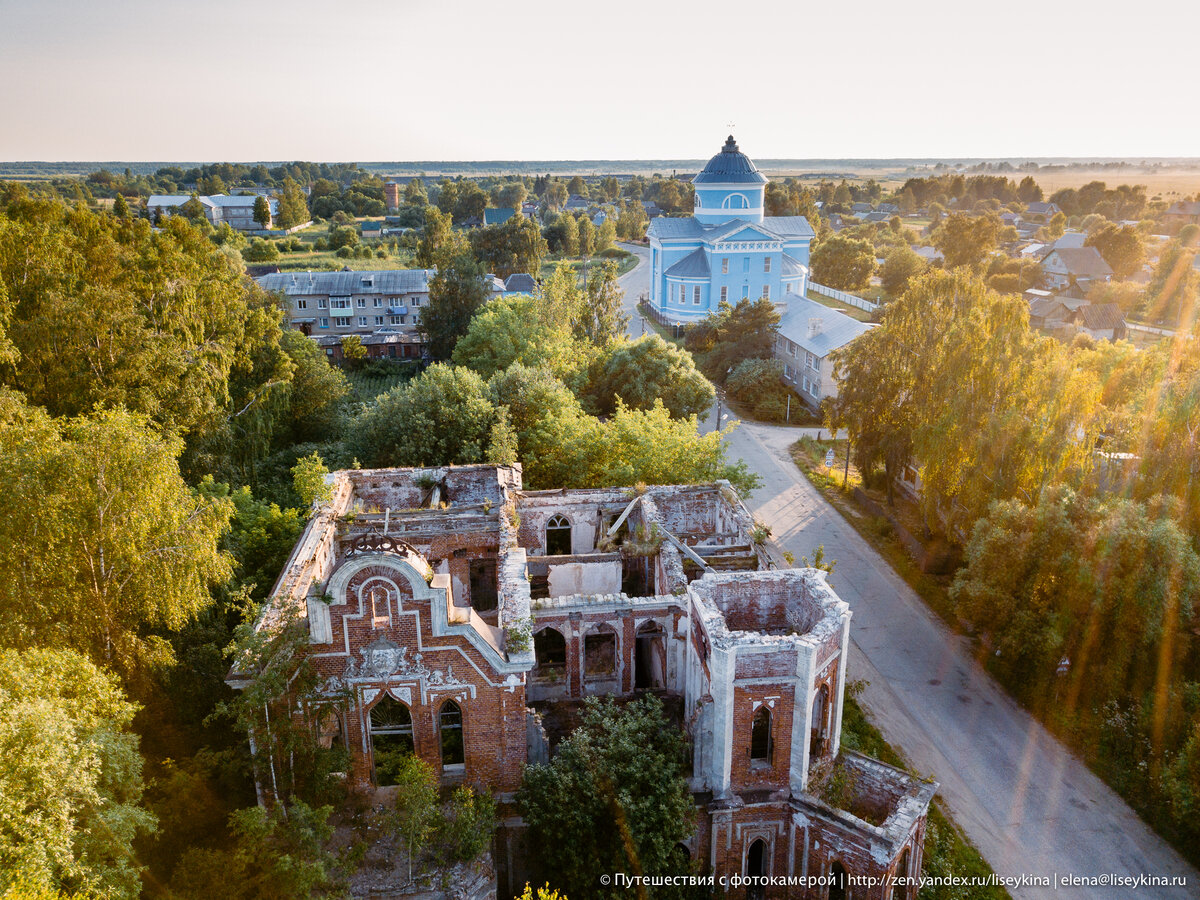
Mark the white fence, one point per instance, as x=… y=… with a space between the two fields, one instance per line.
x=848 y=299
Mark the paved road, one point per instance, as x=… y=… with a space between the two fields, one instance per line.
x=1022 y=798
x=634 y=283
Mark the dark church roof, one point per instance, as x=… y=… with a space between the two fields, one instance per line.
x=730 y=166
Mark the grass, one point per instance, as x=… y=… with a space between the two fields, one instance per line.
x=625 y=264
x=947 y=849
x=328 y=259
x=809 y=456
x=852 y=311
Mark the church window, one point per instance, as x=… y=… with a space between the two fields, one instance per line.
x=760 y=736
x=789 y=288
x=391 y=738
x=558 y=536
x=450 y=726
x=745 y=264
x=766 y=264
x=724 y=294
x=766 y=292
x=745 y=292
x=696 y=295
x=724 y=265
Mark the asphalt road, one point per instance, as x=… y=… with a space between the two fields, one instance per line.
x=1029 y=806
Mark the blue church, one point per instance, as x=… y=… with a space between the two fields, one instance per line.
x=727 y=249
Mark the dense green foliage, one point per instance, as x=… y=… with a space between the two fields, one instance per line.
x=613 y=799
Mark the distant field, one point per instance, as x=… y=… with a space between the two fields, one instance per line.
x=1168 y=185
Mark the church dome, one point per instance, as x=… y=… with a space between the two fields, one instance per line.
x=730 y=166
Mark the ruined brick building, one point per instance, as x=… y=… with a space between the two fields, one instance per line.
x=463 y=616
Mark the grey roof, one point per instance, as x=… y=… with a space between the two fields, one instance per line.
x=1184 y=208
x=227 y=200
x=793 y=266
x=835 y=329
x=694 y=265
x=929 y=253
x=519 y=281
x=690 y=228
x=1047 y=306
x=168 y=199
x=1082 y=260
x=669 y=228
x=391 y=281
x=498 y=216
x=730 y=166
x=1069 y=239
x=1042 y=208
x=1100 y=316
x=788 y=226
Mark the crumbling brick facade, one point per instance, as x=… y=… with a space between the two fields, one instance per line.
x=459 y=614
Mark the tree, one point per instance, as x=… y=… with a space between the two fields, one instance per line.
x=278 y=853
x=440 y=240
x=603 y=317
x=193 y=210
x=309 y=477
x=511 y=196
x=353 y=351
x=606 y=234
x=414 y=817
x=293 y=210
x=614 y=798
x=512 y=329
x=71 y=784
x=515 y=245
x=1121 y=246
x=124 y=549
x=120 y=207
x=262 y=211
x=587 y=237
x=456 y=291
x=900 y=265
x=632 y=221
x=556 y=194
x=647 y=370
x=577 y=186
x=843 y=263
x=502 y=445
x=414 y=193
x=443 y=417
x=731 y=334
x=1028 y=191
x=1174 y=287
x=118 y=314
x=967 y=240
x=316 y=392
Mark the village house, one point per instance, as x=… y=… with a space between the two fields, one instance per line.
x=807 y=333
x=1185 y=212
x=1082 y=266
x=453 y=615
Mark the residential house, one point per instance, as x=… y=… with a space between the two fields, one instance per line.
x=929 y=254
x=1045 y=210
x=1103 y=321
x=1185 y=212
x=1049 y=314
x=807 y=333
x=860 y=208
x=520 y=283
x=577 y=204
x=498 y=216
x=1065 y=266
x=346 y=302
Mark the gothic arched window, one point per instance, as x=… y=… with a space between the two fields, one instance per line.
x=558 y=536
x=391 y=738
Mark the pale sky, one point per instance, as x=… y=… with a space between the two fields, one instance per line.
x=374 y=80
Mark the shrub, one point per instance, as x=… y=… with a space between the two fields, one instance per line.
x=260 y=251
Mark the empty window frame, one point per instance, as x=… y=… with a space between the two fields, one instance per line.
x=760 y=736
x=483 y=585
x=558 y=536
x=391 y=738
x=450 y=728
x=600 y=652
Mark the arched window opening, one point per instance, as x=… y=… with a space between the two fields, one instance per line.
x=736 y=201
x=756 y=867
x=558 y=536
x=820 y=716
x=650 y=658
x=838 y=887
x=391 y=738
x=451 y=729
x=600 y=652
x=760 y=736
x=550 y=651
